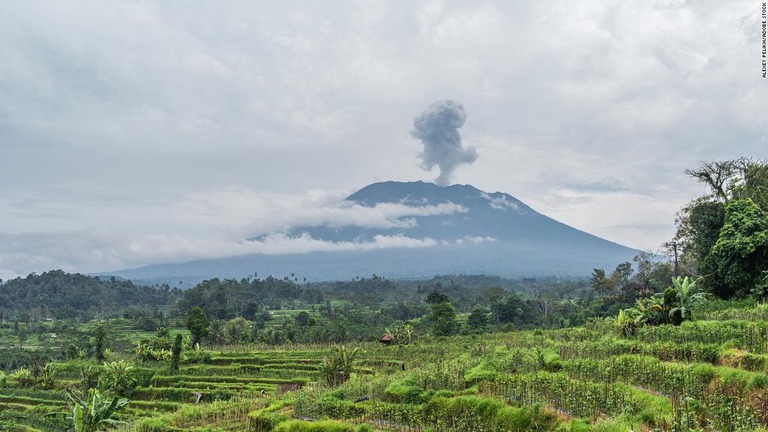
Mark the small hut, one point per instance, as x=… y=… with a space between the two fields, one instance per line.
x=386 y=339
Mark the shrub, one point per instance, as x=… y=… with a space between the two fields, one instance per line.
x=404 y=390
x=321 y=426
x=337 y=367
x=479 y=413
x=118 y=377
x=550 y=360
x=157 y=424
x=265 y=421
x=483 y=371
x=24 y=378
x=340 y=409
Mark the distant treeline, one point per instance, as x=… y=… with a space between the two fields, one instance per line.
x=61 y=295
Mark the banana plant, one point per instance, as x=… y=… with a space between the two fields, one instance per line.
x=93 y=410
x=687 y=295
x=337 y=368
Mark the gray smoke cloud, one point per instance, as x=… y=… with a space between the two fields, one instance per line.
x=438 y=129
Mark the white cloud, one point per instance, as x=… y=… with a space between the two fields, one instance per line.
x=384 y=215
x=98 y=251
x=176 y=231
x=502 y=203
x=249 y=213
x=475 y=240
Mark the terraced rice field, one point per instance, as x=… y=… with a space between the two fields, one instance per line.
x=701 y=376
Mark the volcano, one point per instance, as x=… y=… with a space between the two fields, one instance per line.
x=456 y=229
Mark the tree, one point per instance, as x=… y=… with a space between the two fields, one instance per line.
x=618 y=280
x=478 y=319
x=198 y=324
x=698 y=228
x=238 y=330
x=621 y=275
x=408 y=334
x=719 y=176
x=735 y=179
x=600 y=282
x=740 y=254
x=303 y=319
x=176 y=352
x=700 y=222
x=100 y=336
x=442 y=317
x=436 y=297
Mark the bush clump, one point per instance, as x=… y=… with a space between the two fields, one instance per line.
x=479 y=413
x=320 y=426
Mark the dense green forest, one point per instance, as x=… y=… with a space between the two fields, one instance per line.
x=722 y=237
x=57 y=294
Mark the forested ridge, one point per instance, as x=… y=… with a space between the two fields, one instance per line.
x=58 y=294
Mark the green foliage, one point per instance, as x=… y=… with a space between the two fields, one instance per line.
x=628 y=320
x=549 y=360
x=93 y=410
x=672 y=307
x=47 y=376
x=265 y=420
x=688 y=297
x=404 y=390
x=62 y=295
x=600 y=282
x=237 y=331
x=100 y=339
x=436 y=297
x=442 y=319
x=154 y=349
x=228 y=298
x=176 y=352
x=518 y=311
x=337 y=367
x=700 y=375
x=626 y=284
x=485 y=370
x=724 y=234
x=118 y=377
x=198 y=325
x=479 y=413
x=740 y=255
x=478 y=320
x=24 y=378
x=320 y=426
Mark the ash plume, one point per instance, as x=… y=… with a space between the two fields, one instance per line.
x=438 y=129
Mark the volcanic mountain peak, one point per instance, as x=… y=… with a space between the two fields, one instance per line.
x=415 y=229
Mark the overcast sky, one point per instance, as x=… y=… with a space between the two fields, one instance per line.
x=138 y=132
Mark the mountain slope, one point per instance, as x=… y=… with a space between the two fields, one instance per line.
x=459 y=229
